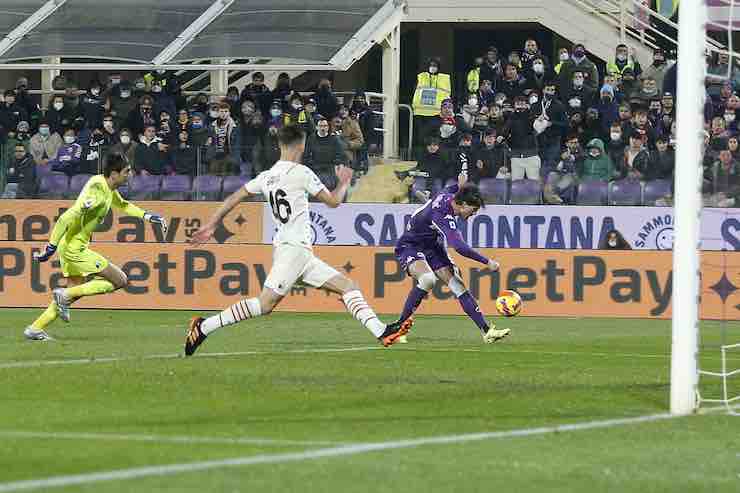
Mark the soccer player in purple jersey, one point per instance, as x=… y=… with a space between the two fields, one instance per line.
x=422 y=251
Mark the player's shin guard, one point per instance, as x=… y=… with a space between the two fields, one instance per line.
x=471 y=308
x=242 y=310
x=361 y=311
x=90 y=288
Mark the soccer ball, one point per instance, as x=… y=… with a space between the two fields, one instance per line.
x=509 y=303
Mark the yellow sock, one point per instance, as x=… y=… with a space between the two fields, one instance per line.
x=90 y=288
x=49 y=315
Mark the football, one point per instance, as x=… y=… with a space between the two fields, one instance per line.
x=509 y=303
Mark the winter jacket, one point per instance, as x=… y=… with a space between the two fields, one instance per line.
x=93 y=109
x=68 y=159
x=492 y=158
x=23 y=173
x=521 y=134
x=149 y=158
x=44 y=147
x=323 y=153
x=587 y=66
x=600 y=168
x=227 y=138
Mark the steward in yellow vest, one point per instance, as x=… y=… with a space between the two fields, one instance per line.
x=431 y=89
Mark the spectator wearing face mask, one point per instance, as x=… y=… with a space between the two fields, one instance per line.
x=646 y=92
x=623 y=59
x=93 y=105
x=617 y=142
x=578 y=96
x=323 y=153
x=58 y=116
x=252 y=128
x=553 y=123
x=122 y=104
x=258 y=92
x=608 y=108
x=563 y=56
x=613 y=240
x=126 y=146
x=635 y=164
x=163 y=101
x=432 y=88
x=44 y=144
x=520 y=134
x=11 y=113
x=226 y=139
x=20 y=175
x=141 y=88
x=69 y=155
x=151 y=153
x=536 y=74
x=658 y=68
x=199 y=132
x=143 y=115
x=630 y=85
x=578 y=61
x=275 y=115
x=531 y=53
x=725 y=181
x=596 y=164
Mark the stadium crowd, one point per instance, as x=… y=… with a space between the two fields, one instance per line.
x=556 y=125
x=165 y=134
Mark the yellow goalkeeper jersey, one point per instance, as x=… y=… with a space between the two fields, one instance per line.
x=75 y=227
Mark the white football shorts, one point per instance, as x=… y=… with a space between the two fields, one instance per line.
x=293 y=263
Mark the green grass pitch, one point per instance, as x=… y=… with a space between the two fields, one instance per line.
x=111 y=395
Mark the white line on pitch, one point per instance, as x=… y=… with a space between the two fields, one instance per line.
x=340 y=451
x=159 y=438
x=113 y=359
x=534 y=351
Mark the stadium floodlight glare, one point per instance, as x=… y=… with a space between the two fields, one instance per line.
x=688 y=203
x=191 y=32
x=29 y=24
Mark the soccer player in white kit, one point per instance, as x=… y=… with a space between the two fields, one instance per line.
x=287 y=186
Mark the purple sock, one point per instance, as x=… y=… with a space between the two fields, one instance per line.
x=412 y=302
x=471 y=308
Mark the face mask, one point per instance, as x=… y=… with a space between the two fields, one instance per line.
x=447 y=130
x=58 y=106
x=69 y=139
x=197 y=125
x=578 y=82
x=533 y=99
x=520 y=109
x=125 y=94
x=729 y=117
x=594 y=153
x=213 y=114
x=433 y=69
x=616 y=136
x=157 y=89
x=125 y=139
x=564 y=57
x=44 y=130
x=612 y=243
x=115 y=82
x=322 y=132
x=297 y=106
x=161 y=71
x=140 y=85
x=108 y=125
x=621 y=57
x=275 y=112
x=538 y=68
x=575 y=103
x=95 y=91
x=473 y=102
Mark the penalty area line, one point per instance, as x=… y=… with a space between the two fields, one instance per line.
x=113 y=359
x=322 y=453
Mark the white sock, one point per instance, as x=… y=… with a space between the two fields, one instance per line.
x=358 y=307
x=244 y=309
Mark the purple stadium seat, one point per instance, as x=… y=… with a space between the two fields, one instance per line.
x=76 y=184
x=494 y=190
x=207 y=187
x=625 y=192
x=655 y=190
x=42 y=171
x=525 y=192
x=144 y=187
x=54 y=186
x=232 y=183
x=176 y=187
x=592 y=192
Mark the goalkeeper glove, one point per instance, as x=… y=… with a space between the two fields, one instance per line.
x=156 y=219
x=49 y=251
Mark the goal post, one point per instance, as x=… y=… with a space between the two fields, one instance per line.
x=690 y=95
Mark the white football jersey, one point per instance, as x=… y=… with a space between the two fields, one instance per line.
x=286 y=187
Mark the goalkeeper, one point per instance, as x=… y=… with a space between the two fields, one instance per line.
x=87 y=272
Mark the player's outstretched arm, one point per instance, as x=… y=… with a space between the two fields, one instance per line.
x=205 y=232
x=456 y=241
x=131 y=209
x=335 y=198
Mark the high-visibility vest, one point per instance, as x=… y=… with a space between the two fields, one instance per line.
x=431 y=90
x=558 y=67
x=612 y=68
x=474 y=80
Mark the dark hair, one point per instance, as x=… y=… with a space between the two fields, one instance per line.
x=114 y=162
x=432 y=139
x=469 y=194
x=622 y=244
x=291 y=135
x=258 y=75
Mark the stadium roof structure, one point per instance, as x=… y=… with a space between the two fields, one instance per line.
x=173 y=34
